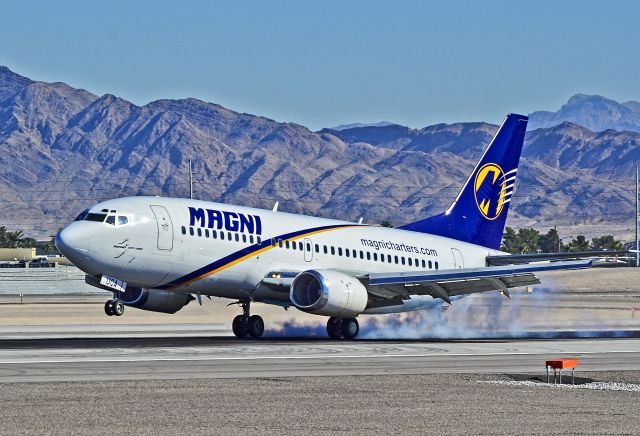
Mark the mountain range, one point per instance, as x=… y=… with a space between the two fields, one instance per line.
x=63 y=149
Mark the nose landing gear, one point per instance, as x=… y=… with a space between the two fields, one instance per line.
x=247 y=325
x=114 y=308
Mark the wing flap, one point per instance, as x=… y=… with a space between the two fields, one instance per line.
x=449 y=283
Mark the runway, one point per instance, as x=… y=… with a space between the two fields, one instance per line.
x=98 y=359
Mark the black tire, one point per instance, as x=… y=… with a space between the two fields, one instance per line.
x=334 y=328
x=255 y=326
x=239 y=326
x=350 y=328
x=118 y=308
x=108 y=307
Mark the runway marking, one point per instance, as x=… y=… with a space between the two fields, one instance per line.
x=322 y=357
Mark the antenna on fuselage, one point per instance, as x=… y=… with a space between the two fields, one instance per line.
x=190 y=180
x=275 y=207
x=360 y=220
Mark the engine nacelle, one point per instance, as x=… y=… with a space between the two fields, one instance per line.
x=155 y=300
x=328 y=292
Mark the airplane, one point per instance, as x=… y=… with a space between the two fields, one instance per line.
x=158 y=253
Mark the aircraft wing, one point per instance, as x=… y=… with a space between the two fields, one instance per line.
x=449 y=283
x=514 y=259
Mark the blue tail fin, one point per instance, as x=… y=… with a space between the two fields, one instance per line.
x=479 y=212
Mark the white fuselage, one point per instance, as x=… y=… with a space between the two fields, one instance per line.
x=222 y=250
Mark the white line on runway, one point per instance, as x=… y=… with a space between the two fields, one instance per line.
x=324 y=357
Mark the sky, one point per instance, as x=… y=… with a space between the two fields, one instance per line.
x=323 y=63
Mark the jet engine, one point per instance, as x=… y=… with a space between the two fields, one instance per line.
x=155 y=300
x=328 y=292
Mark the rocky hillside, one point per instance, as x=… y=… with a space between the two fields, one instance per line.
x=62 y=149
x=594 y=112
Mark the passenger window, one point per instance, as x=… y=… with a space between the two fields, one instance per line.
x=280 y=243
x=396 y=259
x=410 y=262
x=300 y=246
x=199 y=232
x=308 y=247
x=259 y=240
x=333 y=251
x=251 y=239
x=389 y=258
x=368 y=255
x=355 y=253
x=214 y=234
x=317 y=248
x=402 y=260
x=244 y=238
x=436 y=265
x=417 y=264
x=424 y=264
x=293 y=245
x=184 y=230
x=346 y=252
x=361 y=255
x=191 y=231
x=286 y=244
x=229 y=236
x=122 y=220
x=339 y=251
x=375 y=257
x=324 y=248
x=430 y=265
x=237 y=237
x=222 y=235
x=206 y=233
x=111 y=220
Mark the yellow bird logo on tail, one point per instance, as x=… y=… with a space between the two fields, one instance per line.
x=489 y=198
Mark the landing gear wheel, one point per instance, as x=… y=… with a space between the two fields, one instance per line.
x=350 y=328
x=239 y=326
x=118 y=308
x=255 y=326
x=108 y=307
x=334 y=328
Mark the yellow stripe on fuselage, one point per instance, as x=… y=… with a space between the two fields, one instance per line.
x=255 y=253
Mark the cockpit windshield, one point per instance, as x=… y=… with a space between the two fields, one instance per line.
x=82 y=215
x=95 y=217
x=103 y=217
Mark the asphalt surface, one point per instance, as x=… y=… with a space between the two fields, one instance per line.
x=104 y=359
x=199 y=385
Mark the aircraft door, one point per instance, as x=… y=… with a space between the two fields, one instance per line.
x=165 y=228
x=308 y=250
x=458 y=262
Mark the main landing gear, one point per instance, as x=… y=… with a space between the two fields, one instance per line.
x=114 y=308
x=247 y=325
x=346 y=328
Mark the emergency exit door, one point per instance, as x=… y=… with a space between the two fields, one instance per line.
x=458 y=262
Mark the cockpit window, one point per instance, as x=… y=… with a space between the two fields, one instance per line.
x=122 y=220
x=111 y=220
x=82 y=215
x=99 y=217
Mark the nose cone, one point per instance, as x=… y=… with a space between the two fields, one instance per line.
x=73 y=243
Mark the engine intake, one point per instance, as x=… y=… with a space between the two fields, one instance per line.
x=155 y=300
x=328 y=292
